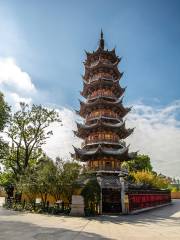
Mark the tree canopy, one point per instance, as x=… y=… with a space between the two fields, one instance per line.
x=50 y=178
x=140 y=163
x=150 y=179
x=4 y=116
x=28 y=131
x=4 y=112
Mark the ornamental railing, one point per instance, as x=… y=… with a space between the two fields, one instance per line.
x=101 y=77
x=105 y=61
x=94 y=141
x=106 y=116
x=104 y=168
x=145 y=199
x=110 y=96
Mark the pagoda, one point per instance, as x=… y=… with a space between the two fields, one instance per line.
x=103 y=129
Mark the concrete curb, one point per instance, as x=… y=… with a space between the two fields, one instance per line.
x=149 y=208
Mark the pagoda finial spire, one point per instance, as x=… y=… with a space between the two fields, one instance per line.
x=101 y=42
x=101 y=34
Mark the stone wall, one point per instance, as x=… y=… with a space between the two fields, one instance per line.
x=2 y=192
x=175 y=195
x=2 y=201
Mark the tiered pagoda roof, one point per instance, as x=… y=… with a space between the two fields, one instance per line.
x=100 y=102
x=84 y=154
x=106 y=67
x=84 y=129
x=103 y=111
x=89 y=87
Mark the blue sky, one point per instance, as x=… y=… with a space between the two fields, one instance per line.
x=54 y=34
x=42 y=47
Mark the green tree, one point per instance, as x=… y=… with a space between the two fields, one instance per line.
x=91 y=194
x=150 y=179
x=46 y=179
x=140 y=163
x=58 y=186
x=7 y=182
x=68 y=173
x=27 y=131
x=4 y=116
x=4 y=112
x=49 y=178
x=6 y=178
x=28 y=184
x=38 y=180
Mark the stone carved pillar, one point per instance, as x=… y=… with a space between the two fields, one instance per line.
x=122 y=194
x=124 y=197
x=77 y=206
x=99 y=179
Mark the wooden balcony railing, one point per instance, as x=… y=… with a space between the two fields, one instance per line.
x=111 y=96
x=100 y=115
x=104 y=61
x=96 y=78
x=100 y=141
x=104 y=168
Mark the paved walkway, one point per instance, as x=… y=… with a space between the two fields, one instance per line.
x=159 y=224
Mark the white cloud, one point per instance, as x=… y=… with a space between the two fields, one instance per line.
x=17 y=99
x=13 y=78
x=60 y=144
x=16 y=84
x=157 y=134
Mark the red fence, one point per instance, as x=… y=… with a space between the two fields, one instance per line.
x=139 y=200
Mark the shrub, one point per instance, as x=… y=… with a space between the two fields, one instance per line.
x=149 y=179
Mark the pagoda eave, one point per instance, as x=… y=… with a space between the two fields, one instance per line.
x=104 y=118
x=114 y=85
x=118 y=128
x=105 y=97
x=86 y=107
x=92 y=55
x=114 y=70
x=103 y=144
x=120 y=154
x=100 y=63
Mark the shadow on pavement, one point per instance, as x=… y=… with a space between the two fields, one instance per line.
x=170 y=212
x=7 y=212
x=160 y=216
x=15 y=230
